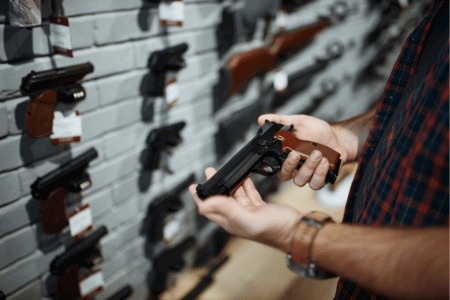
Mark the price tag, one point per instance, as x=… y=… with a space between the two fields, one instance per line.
x=60 y=36
x=281 y=20
x=171 y=13
x=80 y=222
x=171 y=230
x=280 y=81
x=66 y=128
x=91 y=285
x=172 y=92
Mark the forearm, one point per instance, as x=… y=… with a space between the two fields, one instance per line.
x=399 y=263
x=354 y=132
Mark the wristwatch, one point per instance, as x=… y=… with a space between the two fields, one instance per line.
x=299 y=260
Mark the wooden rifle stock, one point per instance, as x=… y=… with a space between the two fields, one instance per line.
x=243 y=66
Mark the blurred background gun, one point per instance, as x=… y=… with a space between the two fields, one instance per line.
x=52 y=189
x=83 y=254
x=45 y=89
x=171 y=260
x=122 y=294
x=169 y=59
x=162 y=206
x=159 y=140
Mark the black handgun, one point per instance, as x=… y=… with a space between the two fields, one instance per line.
x=206 y=281
x=162 y=206
x=265 y=155
x=169 y=59
x=170 y=260
x=122 y=294
x=158 y=140
x=52 y=188
x=47 y=87
x=84 y=253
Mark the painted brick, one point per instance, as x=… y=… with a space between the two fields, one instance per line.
x=125 y=189
x=4 y=127
x=83 y=7
x=199 y=65
x=128 y=138
x=10 y=153
x=81 y=31
x=122 y=86
x=16 y=245
x=17 y=110
x=112 y=170
x=31 y=291
x=18 y=214
x=9 y=187
x=113 y=265
x=198 y=41
x=17 y=275
x=100 y=203
x=111 y=244
x=145 y=48
x=112 y=117
x=198 y=16
x=129 y=210
x=124 y=26
x=114 y=284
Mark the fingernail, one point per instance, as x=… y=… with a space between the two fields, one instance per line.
x=293 y=157
x=324 y=161
x=315 y=155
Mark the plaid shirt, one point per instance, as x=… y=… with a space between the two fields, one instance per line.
x=409 y=183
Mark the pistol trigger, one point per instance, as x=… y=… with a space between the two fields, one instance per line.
x=269 y=166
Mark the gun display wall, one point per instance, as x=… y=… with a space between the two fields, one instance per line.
x=109 y=110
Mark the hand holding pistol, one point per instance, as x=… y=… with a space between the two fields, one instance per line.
x=265 y=155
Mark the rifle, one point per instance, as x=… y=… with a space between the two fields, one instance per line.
x=47 y=87
x=169 y=59
x=243 y=66
x=300 y=80
x=169 y=260
x=162 y=206
x=205 y=281
x=158 y=140
x=265 y=155
x=52 y=189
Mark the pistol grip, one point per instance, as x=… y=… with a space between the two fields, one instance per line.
x=67 y=287
x=53 y=212
x=39 y=118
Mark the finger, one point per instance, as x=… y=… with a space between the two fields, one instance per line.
x=280 y=119
x=290 y=164
x=241 y=196
x=252 y=192
x=209 y=172
x=305 y=173
x=193 y=191
x=318 y=179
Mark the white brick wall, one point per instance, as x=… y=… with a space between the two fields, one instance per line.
x=118 y=37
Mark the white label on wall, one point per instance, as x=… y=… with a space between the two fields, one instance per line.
x=66 y=127
x=171 y=13
x=92 y=283
x=80 y=222
x=281 y=20
x=60 y=35
x=171 y=229
x=280 y=81
x=172 y=92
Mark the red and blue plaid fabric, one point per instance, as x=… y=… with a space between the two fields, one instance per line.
x=409 y=184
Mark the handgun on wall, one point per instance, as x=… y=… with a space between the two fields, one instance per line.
x=160 y=140
x=244 y=66
x=265 y=155
x=52 y=189
x=169 y=59
x=85 y=254
x=162 y=206
x=170 y=260
x=45 y=89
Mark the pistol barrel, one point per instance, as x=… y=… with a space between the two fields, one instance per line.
x=41 y=185
x=45 y=80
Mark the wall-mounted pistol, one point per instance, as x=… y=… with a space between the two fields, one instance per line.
x=160 y=62
x=45 y=89
x=52 y=189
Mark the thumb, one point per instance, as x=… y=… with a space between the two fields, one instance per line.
x=280 y=119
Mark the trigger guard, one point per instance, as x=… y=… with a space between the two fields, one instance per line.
x=273 y=163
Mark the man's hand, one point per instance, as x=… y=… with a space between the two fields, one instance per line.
x=245 y=214
x=316 y=166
